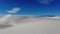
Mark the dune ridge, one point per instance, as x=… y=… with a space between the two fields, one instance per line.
x=29 y=25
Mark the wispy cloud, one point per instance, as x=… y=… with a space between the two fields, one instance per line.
x=45 y=1
x=14 y=10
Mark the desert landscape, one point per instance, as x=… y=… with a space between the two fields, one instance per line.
x=21 y=24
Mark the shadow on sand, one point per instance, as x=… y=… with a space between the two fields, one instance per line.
x=5 y=26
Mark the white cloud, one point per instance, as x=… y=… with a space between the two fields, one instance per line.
x=45 y=1
x=14 y=10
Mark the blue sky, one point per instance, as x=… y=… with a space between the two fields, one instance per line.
x=31 y=7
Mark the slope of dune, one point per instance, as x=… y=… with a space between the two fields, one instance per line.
x=29 y=25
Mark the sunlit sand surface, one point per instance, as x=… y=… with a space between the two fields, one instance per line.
x=29 y=25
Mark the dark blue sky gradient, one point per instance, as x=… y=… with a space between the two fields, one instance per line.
x=30 y=7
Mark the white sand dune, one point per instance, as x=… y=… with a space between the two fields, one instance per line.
x=29 y=25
